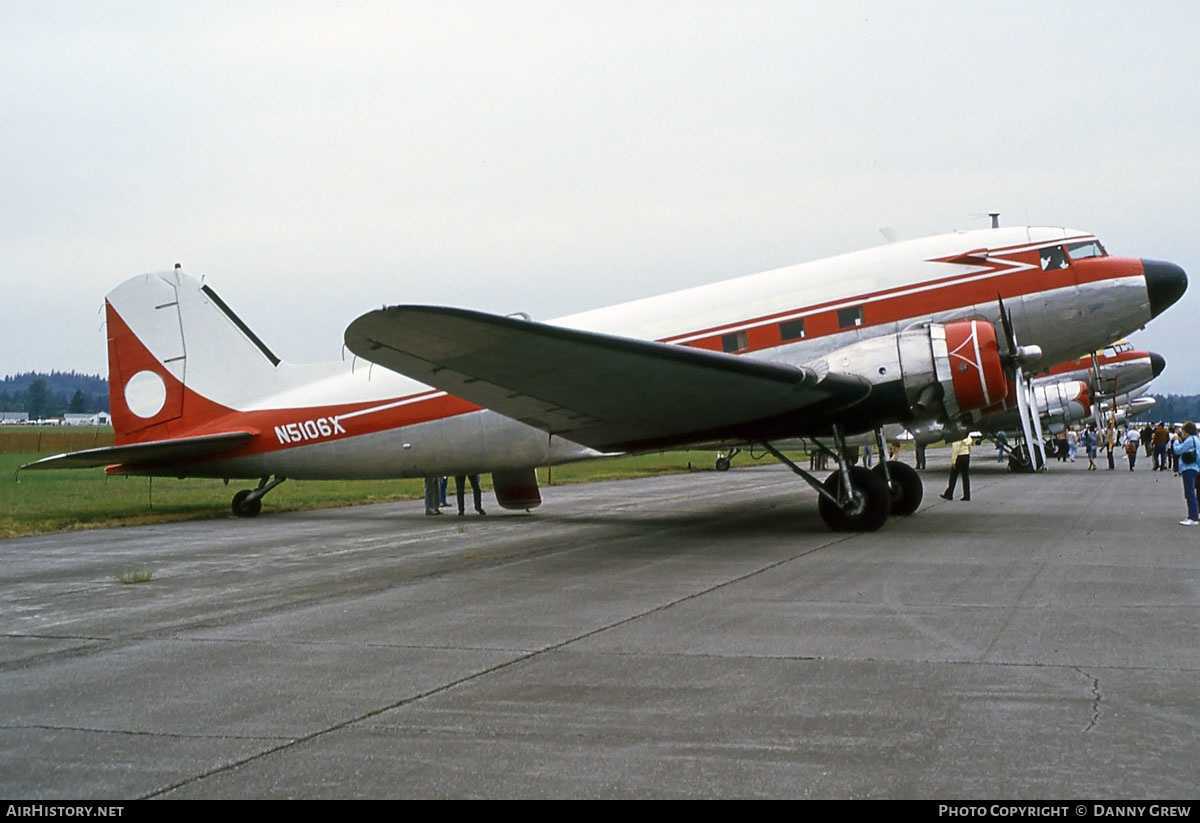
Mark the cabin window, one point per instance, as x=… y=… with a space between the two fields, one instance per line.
x=791 y=329
x=735 y=342
x=1082 y=251
x=1053 y=259
x=849 y=318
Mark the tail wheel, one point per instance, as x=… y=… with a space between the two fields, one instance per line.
x=246 y=508
x=907 y=490
x=865 y=510
x=722 y=464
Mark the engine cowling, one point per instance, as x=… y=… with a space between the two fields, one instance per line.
x=1063 y=403
x=976 y=373
x=939 y=372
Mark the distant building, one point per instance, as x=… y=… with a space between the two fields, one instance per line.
x=92 y=419
x=13 y=418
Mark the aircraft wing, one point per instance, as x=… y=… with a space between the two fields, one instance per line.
x=155 y=452
x=609 y=393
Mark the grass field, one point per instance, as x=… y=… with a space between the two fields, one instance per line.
x=40 y=502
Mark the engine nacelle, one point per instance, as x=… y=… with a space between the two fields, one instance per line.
x=934 y=373
x=1063 y=403
x=516 y=489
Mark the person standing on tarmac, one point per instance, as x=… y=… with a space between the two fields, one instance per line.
x=1187 y=451
x=1131 y=445
x=960 y=463
x=1089 y=444
x=460 y=486
x=431 y=496
x=1161 y=439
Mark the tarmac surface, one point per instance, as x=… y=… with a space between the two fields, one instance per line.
x=697 y=635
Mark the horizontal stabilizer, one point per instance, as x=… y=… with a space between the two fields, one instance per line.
x=153 y=453
x=607 y=392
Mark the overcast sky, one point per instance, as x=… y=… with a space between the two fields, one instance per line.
x=317 y=160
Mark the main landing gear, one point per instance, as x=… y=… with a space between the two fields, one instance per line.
x=901 y=479
x=248 y=502
x=857 y=499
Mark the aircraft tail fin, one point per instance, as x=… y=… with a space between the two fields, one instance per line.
x=179 y=359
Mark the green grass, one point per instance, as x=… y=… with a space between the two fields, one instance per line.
x=139 y=576
x=41 y=502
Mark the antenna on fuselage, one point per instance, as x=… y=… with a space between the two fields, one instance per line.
x=995 y=215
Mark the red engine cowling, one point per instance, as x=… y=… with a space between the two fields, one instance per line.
x=976 y=373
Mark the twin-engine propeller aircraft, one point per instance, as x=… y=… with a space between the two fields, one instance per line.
x=897 y=334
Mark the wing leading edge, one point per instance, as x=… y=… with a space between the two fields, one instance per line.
x=153 y=453
x=609 y=393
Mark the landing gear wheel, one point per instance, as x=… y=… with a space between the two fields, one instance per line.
x=1018 y=461
x=865 y=511
x=246 y=508
x=722 y=464
x=907 y=488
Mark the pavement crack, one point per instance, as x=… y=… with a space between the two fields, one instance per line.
x=142 y=733
x=1094 y=718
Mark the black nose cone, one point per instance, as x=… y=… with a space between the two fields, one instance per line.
x=1157 y=363
x=1165 y=283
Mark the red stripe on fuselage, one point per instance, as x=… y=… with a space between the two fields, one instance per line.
x=306 y=425
x=1012 y=277
x=1085 y=363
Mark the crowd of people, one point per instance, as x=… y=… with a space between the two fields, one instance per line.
x=1169 y=448
x=1155 y=440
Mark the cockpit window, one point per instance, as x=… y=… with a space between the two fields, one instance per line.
x=1116 y=348
x=1089 y=248
x=1053 y=259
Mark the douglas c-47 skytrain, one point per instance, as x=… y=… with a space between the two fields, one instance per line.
x=929 y=333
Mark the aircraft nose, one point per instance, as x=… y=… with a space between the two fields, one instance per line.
x=1165 y=283
x=1157 y=363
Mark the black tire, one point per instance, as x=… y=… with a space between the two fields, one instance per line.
x=722 y=464
x=1018 y=461
x=246 y=508
x=866 y=511
x=907 y=489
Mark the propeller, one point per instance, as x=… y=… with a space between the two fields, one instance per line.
x=1027 y=406
x=1097 y=415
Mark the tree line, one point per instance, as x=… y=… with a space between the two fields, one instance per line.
x=51 y=394
x=1173 y=408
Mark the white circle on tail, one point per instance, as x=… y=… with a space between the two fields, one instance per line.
x=145 y=394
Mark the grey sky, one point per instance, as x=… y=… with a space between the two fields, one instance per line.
x=316 y=160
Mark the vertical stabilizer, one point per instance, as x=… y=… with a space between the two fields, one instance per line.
x=179 y=358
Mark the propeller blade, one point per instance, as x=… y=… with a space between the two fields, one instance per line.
x=1010 y=337
x=1036 y=416
x=1023 y=413
x=1017 y=355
